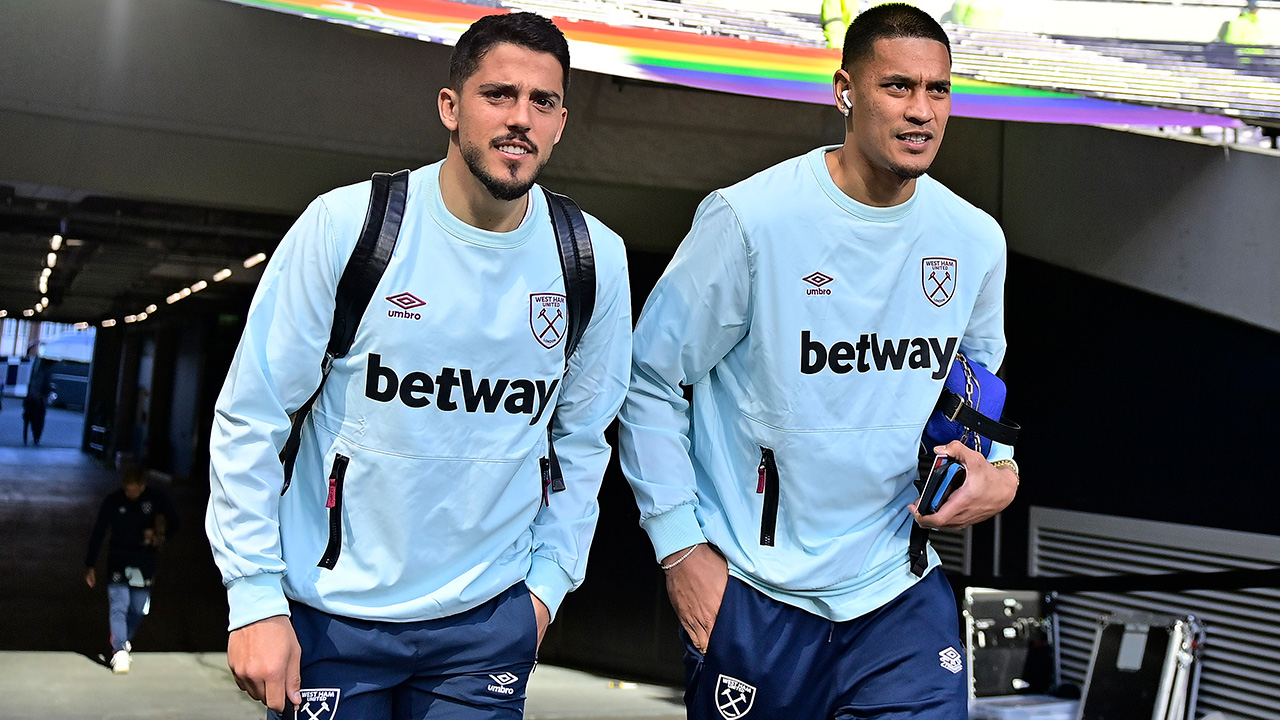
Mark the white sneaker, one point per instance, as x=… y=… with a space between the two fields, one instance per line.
x=128 y=646
x=120 y=662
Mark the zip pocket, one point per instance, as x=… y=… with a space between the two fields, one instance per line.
x=767 y=484
x=334 y=503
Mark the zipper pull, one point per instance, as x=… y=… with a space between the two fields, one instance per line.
x=762 y=473
x=333 y=492
x=545 y=465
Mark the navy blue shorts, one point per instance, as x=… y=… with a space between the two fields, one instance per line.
x=468 y=666
x=767 y=659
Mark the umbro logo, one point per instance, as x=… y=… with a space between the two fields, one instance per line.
x=817 y=280
x=406 y=301
x=950 y=660
x=502 y=680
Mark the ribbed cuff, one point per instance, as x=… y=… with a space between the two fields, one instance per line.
x=999 y=451
x=549 y=582
x=675 y=529
x=255 y=597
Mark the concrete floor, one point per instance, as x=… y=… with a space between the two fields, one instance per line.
x=53 y=643
x=198 y=686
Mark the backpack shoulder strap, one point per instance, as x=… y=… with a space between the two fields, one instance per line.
x=368 y=261
x=578 y=262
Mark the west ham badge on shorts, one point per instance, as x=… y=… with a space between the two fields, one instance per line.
x=317 y=704
x=547 y=318
x=938 y=277
x=734 y=698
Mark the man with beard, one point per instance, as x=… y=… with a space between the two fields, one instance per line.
x=421 y=478
x=815 y=310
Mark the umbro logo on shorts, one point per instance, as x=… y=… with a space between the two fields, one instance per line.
x=318 y=704
x=502 y=680
x=950 y=660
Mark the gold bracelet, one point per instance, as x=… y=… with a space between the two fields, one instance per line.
x=1009 y=463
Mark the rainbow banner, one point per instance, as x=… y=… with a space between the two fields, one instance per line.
x=727 y=64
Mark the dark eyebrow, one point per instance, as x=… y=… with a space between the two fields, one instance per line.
x=512 y=89
x=537 y=94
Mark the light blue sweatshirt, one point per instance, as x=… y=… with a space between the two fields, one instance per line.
x=440 y=409
x=816 y=333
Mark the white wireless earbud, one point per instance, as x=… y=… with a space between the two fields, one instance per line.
x=844 y=94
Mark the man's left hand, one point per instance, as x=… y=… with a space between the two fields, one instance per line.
x=543 y=615
x=986 y=491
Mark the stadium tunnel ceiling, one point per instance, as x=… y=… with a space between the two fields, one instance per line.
x=117 y=257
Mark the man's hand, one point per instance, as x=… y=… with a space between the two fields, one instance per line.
x=986 y=491
x=696 y=589
x=543 y=616
x=265 y=659
x=91 y=577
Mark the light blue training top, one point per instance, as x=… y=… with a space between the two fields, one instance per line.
x=440 y=409
x=818 y=329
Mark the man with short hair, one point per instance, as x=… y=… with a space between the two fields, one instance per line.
x=815 y=310
x=134 y=520
x=410 y=568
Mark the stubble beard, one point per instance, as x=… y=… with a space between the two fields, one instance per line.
x=506 y=189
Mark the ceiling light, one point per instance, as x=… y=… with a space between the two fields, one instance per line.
x=130 y=318
x=4 y=313
x=183 y=293
x=55 y=242
x=173 y=298
x=46 y=273
x=108 y=323
x=44 y=302
x=142 y=316
x=28 y=312
x=72 y=242
x=44 y=286
x=250 y=262
x=199 y=286
x=51 y=259
x=151 y=309
x=38 y=308
x=81 y=326
x=222 y=274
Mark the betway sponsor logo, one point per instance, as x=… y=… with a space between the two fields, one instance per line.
x=416 y=390
x=871 y=353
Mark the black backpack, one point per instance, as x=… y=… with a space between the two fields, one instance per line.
x=369 y=260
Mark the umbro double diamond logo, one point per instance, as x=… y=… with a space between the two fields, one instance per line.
x=406 y=302
x=817 y=280
x=501 y=683
x=950 y=660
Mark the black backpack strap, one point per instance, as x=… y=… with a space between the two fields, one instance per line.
x=578 y=263
x=916 y=550
x=956 y=409
x=387 y=201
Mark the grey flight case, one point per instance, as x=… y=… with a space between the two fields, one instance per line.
x=1143 y=666
x=1010 y=641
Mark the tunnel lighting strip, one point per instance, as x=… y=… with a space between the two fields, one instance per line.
x=195 y=287
x=51 y=261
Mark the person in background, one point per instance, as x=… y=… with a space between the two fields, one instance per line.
x=34 y=407
x=137 y=519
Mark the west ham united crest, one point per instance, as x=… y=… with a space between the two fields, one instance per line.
x=734 y=698
x=547 y=318
x=938 y=275
x=317 y=705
